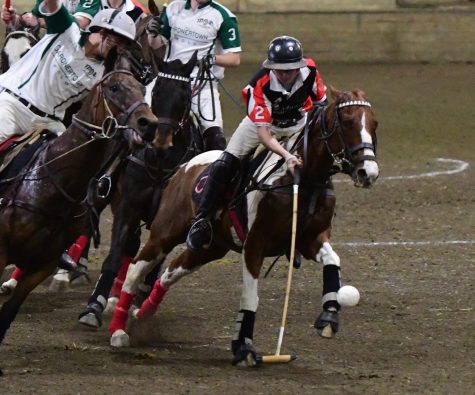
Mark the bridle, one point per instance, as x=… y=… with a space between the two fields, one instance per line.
x=167 y=121
x=112 y=124
x=344 y=161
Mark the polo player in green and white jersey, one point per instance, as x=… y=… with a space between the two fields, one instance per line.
x=88 y=8
x=60 y=70
x=212 y=30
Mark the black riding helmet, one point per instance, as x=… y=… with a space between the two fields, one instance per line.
x=284 y=53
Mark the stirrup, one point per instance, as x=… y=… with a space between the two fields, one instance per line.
x=200 y=235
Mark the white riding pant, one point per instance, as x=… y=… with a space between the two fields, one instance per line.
x=16 y=118
x=245 y=138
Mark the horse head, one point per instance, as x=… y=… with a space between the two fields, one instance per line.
x=172 y=93
x=347 y=128
x=116 y=108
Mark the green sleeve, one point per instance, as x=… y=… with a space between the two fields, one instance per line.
x=88 y=8
x=58 y=22
x=35 y=11
x=228 y=33
x=165 y=30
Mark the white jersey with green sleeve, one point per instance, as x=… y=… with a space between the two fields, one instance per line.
x=89 y=8
x=56 y=72
x=70 y=5
x=210 y=29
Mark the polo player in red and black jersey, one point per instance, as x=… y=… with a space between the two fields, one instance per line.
x=278 y=99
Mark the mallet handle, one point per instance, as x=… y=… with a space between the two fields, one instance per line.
x=292 y=257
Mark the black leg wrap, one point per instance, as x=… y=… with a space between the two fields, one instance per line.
x=103 y=286
x=331 y=279
x=241 y=346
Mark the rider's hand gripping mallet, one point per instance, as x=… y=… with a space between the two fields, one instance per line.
x=278 y=358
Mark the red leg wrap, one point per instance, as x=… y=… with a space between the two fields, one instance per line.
x=150 y=306
x=119 y=280
x=17 y=273
x=121 y=311
x=77 y=248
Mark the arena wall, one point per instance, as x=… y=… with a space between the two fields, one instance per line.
x=432 y=31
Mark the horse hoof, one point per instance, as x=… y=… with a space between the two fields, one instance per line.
x=120 y=339
x=80 y=276
x=7 y=288
x=111 y=303
x=326 y=332
x=90 y=320
x=327 y=323
x=133 y=312
x=60 y=282
x=245 y=355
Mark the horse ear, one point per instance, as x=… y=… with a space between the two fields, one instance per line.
x=111 y=60
x=159 y=61
x=190 y=65
x=153 y=7
x=334 y=92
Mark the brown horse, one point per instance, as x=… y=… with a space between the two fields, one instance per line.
x=43 y=210
x=339 y=138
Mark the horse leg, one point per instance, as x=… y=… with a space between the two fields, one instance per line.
x=242 y=340
x=98 y=301
x=135 y=275
x=327 y=323
x=144 y=289
x=25 y=285
x=8 y=286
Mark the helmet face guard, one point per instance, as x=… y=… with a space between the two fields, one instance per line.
x=115 y=21
x=284 y=53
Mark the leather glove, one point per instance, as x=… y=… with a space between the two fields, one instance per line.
x=208 y=61
x=154 y=26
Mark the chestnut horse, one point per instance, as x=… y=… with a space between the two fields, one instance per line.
x=339 y=138
x=141 y=180
x=43 y=210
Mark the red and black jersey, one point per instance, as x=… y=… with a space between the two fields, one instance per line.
x=268 y=103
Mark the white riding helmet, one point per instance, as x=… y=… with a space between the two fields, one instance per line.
x=114 y=20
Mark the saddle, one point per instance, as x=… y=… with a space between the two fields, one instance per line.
x=258 y=171
x=18 y=151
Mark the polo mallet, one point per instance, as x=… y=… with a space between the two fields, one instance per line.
x=278 y=358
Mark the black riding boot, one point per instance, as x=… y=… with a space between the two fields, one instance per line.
x=213 y=138
x=221 y=173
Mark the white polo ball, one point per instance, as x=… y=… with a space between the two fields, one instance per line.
x=348 y=296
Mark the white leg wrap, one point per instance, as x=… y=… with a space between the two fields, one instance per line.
x=135 y=275
x=326 y=255
x=169 y=278
x=249 y=296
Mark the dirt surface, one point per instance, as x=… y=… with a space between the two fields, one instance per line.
x=413 y=331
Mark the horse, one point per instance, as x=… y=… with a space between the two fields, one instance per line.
x=339 y=138
x=19 y=39
x=43 y=209
x=141 y=180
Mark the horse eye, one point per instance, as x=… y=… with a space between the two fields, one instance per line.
x=114 y=88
